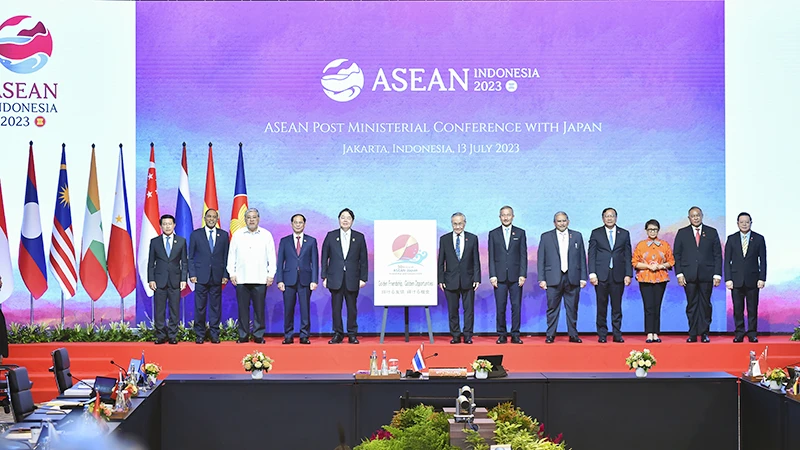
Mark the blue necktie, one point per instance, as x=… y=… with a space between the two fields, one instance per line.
x=169 y=247
x=211 y=240
x=611 y=242
x=458 y=247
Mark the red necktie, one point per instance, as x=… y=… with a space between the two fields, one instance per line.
x=297 y=247
x=697 y=236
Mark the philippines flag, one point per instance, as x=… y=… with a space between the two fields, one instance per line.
x=93 y=268
x=121 y=267
x=210 y=199
x=239 y=197
x=62 y=242
x=418 y=361
x=6 y=272
x=183 y=212
x=150 y=221
x=31 y=247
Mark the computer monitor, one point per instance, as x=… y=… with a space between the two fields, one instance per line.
x=498 y=371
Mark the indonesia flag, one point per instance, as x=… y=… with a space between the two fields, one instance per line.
x=210 y=199
x=31 y=247
x=183 y=212
x=121 y=267
x=6 y=272
x=62 y=241
x=150 y=219
x=93 y=268
x=239 y=197
x=418 y=361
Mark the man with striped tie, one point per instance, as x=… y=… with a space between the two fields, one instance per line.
x=745 y=275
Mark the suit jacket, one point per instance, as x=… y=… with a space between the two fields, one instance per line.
x=745 y=270
x=601 y=254
x=549 y=258
x=208 y=266
x=294 y=269
x=508 y=265
x=334 y=263
x=167 y=270
x=457 y=274
x=697 y=263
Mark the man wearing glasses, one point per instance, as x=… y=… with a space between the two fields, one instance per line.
x=745 y=275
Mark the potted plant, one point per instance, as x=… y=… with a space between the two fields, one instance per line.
x=641 y=362
x=152 y=370
x=257 y=363
x=482 y=368
x=776 y=378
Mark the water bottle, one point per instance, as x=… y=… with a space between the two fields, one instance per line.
x=373 y=363
x=384 y=366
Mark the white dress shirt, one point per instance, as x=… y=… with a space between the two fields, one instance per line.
x=563 y=249
x=213 y=232
x=507 y=235
x=344 y=238
x=251 y=257
x=168 y=238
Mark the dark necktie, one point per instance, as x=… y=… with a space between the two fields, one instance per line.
x=458 y=246
x=211 y=240
x=297 y=247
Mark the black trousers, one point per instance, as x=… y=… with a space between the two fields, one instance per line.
x=247 y=294
x=652 y=295
x=207 y=299
x=467 y=297
x=571 y=294
x=504 y=290
x=338 y=296
x=161 y=299
x=741 y=296
x=612 y=290
x=291 y=296
x=698 y=306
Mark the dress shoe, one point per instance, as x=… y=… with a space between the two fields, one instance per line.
x=215 y=340
x=455 y=340
x=336 y=339
x=575 y=339
x=502 y=340
x=691 y=339
x=173 y=341
x=258 y=340
x=468 y=340
x=288 y=341
x=601 y=340
x=619 y=340
x=516 y=340
x=549 y=339
x=198 y=341
x=161 y=341
x=753 y=339
x=705 y=339
x=649 y=341
x=738 y=339
x=242 y=341
x=353 y=340
x=305 y=341
x=657 y=340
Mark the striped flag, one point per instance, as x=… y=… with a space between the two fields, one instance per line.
x=183 y=212
x=418 y=361
x=62 y=241
x=210 y=199
x=6 y=272
x=150 y=221
x=93 y=268
x=31 y=247
x=121 y=268
x=239 y=197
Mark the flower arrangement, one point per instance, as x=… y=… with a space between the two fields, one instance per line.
x=481 y=365
x=778 y=375
x=257 y=361
x=152 y=369
x=100 y=410
x=130 y=390
x=640 y=360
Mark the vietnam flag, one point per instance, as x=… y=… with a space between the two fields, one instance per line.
x=32 y=265
x=121 y=268
x=210 y=199
x=93 y=268
x=239 y=197
x=150 y=221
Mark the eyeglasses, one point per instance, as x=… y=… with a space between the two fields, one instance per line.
x=652 y=229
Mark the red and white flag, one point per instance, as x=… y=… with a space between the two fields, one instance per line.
x=150 y=221
x=6 y=272
x=121 y=267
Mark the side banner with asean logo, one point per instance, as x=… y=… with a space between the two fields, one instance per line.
x=405 y=263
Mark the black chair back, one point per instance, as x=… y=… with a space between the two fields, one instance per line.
x=19 y=388
x=61 y=369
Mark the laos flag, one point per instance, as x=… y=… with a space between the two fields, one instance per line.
x=32 y=265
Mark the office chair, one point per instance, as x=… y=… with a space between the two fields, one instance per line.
x=61 y=369
x=5 y=399
x=19 y=391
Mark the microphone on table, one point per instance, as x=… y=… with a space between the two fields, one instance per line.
x=120 y=368
x=93 y=393
x=410 y=373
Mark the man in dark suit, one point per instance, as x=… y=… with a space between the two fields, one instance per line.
x=167 y=269
x=298 y=271
x=562 y=273
x=698 y=266
x=345 y=270
x=745 y=275
x=208 y=255
x=508 y=269
x=610 y=271
x=459 y=275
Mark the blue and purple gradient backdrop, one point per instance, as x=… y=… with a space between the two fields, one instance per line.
x=652 y=73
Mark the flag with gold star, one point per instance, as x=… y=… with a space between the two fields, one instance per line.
x=62 y=241
x=121 y=268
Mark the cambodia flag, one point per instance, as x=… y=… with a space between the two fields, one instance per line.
x=239 y=197
x=183 y=212
x=32 y=264
x=210 y=199
x=121 y=268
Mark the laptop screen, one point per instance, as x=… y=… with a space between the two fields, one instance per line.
x=104 y=386
x=496 y=360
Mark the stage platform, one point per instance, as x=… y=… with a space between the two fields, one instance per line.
x=674 y=354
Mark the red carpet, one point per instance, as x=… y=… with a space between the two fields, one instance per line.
x=674 y=355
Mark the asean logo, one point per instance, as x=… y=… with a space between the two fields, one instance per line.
x=25 y=44
x=406 y=249
x=342 y=82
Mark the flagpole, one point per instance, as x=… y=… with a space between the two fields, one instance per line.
x=121 y=308
x=92 y=312
x=62 y=309
x=31 y=309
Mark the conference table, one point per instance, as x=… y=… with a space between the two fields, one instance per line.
x=770 y=419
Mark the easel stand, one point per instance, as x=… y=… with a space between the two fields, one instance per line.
x=405 y=314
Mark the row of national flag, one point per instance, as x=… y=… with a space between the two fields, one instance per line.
x=95 y=267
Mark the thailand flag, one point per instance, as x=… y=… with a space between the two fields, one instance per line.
x=32 y=265
x=183 y=212
x=418 y=361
